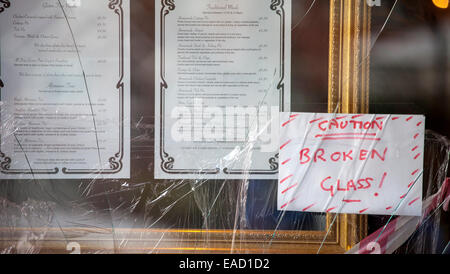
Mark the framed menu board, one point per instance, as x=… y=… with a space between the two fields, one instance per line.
x=65 y=90
x=222 y=76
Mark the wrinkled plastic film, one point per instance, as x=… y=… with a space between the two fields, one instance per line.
x=144 y=215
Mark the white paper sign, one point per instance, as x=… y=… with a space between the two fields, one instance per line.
x=351 y=163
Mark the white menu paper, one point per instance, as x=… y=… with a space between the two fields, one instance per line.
x=222 y=76
x=351 y=163
x=65 y=89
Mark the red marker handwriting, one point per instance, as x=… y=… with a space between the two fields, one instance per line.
x=351 y=138
x=315 y=120
x=382 y=180
x=291 y=118
x=285 y=144
x=351 y=201
x=284 y=205
x=361 y=211
x=346 y=134
x=321 y=155
x=287 y=189
x=328 y=185
x=308 y=207
x=349 y=124
x=410 y=203
x=283 y=163
x=282 y=181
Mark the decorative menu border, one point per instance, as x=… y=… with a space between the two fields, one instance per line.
x=5 y=4
x=167 y=161
x=115 y=162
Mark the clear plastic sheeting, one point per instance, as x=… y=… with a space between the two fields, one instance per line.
x=145 y=215
x=421 y=234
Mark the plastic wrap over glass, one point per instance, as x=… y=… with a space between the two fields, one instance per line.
x=409 y=69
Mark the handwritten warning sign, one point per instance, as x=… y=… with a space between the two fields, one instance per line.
x=349 y=163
